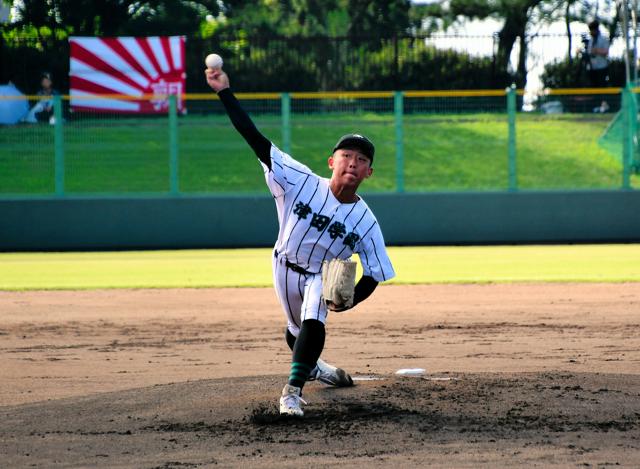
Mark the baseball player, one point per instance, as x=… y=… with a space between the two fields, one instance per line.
x=320 y=219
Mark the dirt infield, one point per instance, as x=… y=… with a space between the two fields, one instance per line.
x=545 y=375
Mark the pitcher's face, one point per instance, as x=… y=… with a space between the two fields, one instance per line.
x=350 y=167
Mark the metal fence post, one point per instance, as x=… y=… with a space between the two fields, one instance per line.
x=628 y=134
x=285 y=110
x=398 y=111
x=634 y=162
x=58 y=142
x=511 y=113
x=173 y=145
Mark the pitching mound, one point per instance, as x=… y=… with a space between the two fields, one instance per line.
x=540 y=375
x=549 y=419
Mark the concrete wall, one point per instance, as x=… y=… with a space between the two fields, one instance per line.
x=228 y=221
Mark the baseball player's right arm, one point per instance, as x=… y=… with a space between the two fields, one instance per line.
x=363 y=290
x=261 y=146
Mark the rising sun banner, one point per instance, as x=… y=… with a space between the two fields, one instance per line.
x=126 y=74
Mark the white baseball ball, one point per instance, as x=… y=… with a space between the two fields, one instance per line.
x=213 y=61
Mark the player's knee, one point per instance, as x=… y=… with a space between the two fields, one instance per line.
x=291 y=338
x=312 y=332
x=313 y=325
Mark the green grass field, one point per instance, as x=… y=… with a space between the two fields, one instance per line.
x=442 y=152
x=252 y=267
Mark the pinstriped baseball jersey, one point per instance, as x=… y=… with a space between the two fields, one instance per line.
x=315 y=226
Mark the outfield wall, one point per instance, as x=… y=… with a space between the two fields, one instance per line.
x=242 y=221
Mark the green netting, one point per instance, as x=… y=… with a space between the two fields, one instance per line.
x=213 y=156
x=560 y=151
x=620 y=131
x=313 y=139
x=316 y=126
x=27 y=159
x=456 y=143
x=430 y=143
x=116 y=154
x=611 y=138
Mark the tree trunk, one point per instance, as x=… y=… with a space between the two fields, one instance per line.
x=614 y=24
x=506 y=38
x=567 y=22
x=515 y=25
x=521 y=75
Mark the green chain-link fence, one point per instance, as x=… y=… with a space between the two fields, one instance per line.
x=620 y=138
x=425 y=141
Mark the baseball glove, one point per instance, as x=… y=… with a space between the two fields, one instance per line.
x=338 y=284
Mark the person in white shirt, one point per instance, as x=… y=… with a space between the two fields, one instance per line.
x=597 y=50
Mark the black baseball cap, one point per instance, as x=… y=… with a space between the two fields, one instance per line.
x=357 y=141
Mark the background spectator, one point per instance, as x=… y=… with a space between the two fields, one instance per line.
x=43 y=109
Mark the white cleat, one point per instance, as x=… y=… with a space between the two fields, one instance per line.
x=330 y=375
x=290 y=401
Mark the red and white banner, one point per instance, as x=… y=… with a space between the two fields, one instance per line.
x=144 y=69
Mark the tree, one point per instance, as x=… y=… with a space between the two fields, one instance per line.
x=515 y=16
x=288 y=18
x=114 y=17
x=378 y=18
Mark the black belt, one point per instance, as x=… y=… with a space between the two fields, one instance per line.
x=295 y=267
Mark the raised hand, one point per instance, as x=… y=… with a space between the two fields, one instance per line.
x=217 y=79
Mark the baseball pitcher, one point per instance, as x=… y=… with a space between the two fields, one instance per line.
x=319 y=220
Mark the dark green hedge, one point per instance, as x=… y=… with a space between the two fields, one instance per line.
x=573 y=74
x=286 y=64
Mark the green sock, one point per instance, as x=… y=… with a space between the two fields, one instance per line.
x=299 y=374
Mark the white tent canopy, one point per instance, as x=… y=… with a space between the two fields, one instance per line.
x=13 y=104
